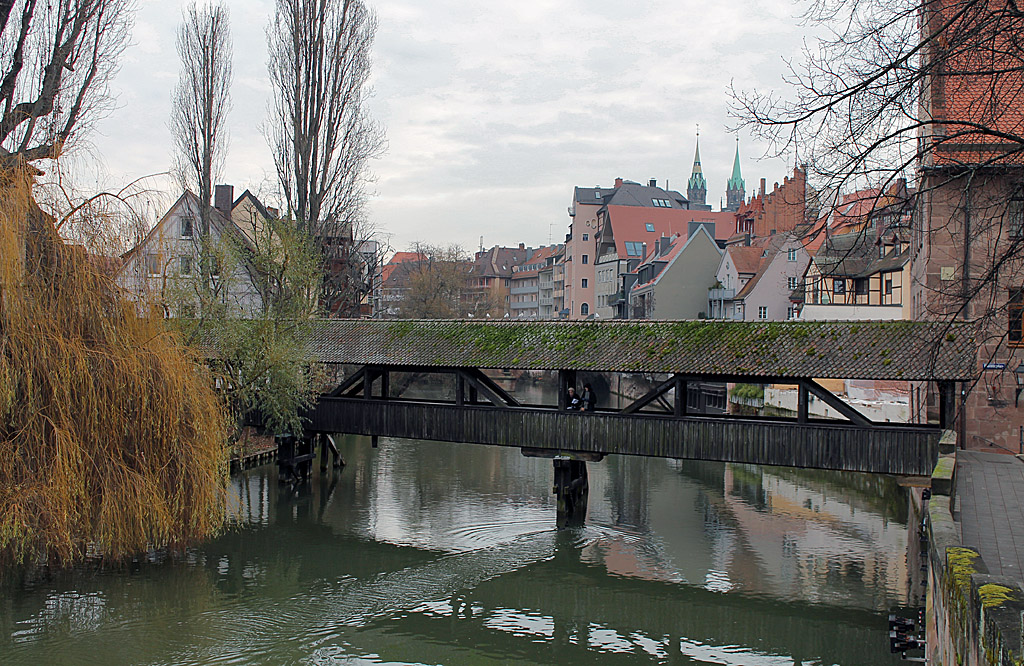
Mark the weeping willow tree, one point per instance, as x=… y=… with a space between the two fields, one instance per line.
x=111 y=440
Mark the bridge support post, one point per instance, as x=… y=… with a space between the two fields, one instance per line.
x=571 y=490
x=947 y=404
x=680 y=391
x=801 y=403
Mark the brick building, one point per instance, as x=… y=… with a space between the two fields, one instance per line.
x=968 y=247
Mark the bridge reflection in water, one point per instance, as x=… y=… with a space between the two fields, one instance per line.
x=425 y=552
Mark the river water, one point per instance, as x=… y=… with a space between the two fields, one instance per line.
x=437 y=553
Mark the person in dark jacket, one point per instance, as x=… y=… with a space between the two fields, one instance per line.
x=572 y=401
x=589 y=399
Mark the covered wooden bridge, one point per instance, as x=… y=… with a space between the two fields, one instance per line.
x=675 y=354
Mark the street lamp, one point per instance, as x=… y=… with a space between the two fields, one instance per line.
x=1018 y=377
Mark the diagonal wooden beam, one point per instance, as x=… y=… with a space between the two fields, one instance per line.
x=650 y=396
x=482 y=388
x=835 y=403
x=350 y=383
x=487 y=381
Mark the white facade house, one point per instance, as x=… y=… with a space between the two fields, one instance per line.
x=162 y=269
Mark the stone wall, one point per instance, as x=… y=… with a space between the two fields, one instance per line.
x=972 y=618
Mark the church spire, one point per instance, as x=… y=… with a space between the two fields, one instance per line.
x=735 y=188
x=696 y=186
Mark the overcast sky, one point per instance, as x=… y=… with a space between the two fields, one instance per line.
x=494 y=111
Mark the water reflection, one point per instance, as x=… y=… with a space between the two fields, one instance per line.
x=421 y=552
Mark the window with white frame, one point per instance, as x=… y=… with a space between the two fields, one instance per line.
x=185 y=265
x=186 y=226
x=791 y=254
x=793 y=282
x=762 y=312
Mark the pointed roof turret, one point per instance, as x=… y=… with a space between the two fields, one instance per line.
x=736 y=181
x=697 y=181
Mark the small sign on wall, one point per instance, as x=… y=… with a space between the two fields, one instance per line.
x=947 y=273
x=994 y=366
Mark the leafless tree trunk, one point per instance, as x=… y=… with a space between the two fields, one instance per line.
x=320 y=133
x=202 y=101
x=56 y=59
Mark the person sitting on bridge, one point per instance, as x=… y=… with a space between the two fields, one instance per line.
x=572 y=401
x=589 y=399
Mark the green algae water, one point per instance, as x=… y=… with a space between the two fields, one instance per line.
x=437 y=553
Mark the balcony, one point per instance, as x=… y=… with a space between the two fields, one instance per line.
x=721 y=294
x=547 y=300
x=524 y=290
x=524 y=305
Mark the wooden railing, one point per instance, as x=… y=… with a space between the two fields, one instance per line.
x=886 y=449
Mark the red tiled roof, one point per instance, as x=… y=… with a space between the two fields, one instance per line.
x=399 y=258
x=539 y=257
x=980 y=93
x=629 y=223
x=746 y=259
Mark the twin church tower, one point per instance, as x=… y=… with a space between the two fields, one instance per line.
x=697 y=187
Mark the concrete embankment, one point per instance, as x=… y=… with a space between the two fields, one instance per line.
x=974 y=607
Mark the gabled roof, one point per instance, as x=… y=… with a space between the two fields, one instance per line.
x=219 y=223
x=855 y=255
x=676 y=250
x=591 y=195
x=644 y=196
x=399 y=258
x=540 y=257
x=629 y=224
x=746 y=259
x=498 y=261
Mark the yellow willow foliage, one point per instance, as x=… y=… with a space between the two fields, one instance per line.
x=111 y=439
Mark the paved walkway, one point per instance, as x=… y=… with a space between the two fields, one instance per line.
x=990 y=490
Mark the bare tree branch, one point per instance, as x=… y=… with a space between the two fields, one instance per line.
x=202 y=101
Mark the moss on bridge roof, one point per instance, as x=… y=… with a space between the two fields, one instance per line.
x=896 y=350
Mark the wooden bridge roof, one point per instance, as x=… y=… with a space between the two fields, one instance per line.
x=896 y=350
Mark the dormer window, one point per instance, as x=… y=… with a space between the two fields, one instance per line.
x=661 y=203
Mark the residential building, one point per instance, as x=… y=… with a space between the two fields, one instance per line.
x=394 y=280
x=859 y=275
x=672 y=281
x=526 y=284
x=756 y=282
x=581 y=250
x=628 y=232
x=551 y=289
x=163 y=267
x=490 y=278
x=783 y=210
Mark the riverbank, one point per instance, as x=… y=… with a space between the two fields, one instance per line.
x=975 y=548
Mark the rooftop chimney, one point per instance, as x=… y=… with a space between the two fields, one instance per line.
x=762 y=186
x=618 y=182
x=223 y=197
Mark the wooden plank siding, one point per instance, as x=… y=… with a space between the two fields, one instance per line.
x=882 y=449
